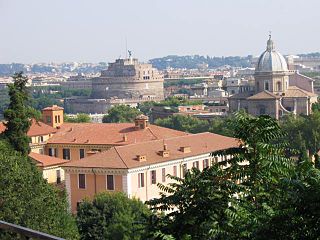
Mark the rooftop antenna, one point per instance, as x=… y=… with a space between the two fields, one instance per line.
x=126 y=48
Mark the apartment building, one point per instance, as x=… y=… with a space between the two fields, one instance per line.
x=136 y=169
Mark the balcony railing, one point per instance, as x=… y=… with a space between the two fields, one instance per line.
x=27 y=233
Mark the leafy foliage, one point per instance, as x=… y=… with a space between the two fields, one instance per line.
x=112 y=216
x=194 y=125
x=200 y=205
x=121 y=114
x=28 y=200
x=79 y=118
x=255 y=193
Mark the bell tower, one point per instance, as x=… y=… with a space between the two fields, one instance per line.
x=53 y=116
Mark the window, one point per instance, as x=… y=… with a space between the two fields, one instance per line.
x=82 y=181
x=110 y=182
x=141 y=180
x=81 y=151
x=205 y=163
x=40 y=151
x=163 y=174
x=278 y=86
x=59 y=118
x=184 y=169
x=56 y=119
x=175 y=171
x=66 y=153
x=266 y=85
x=40 y=139
x=153 y=175
x=58 y=176
x=51 y=152
x=195 y=164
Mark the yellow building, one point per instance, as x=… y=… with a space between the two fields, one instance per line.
x=136 y=169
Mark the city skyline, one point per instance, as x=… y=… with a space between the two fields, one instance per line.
x=95 y=31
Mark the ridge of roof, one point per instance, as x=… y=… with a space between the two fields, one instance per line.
x=263 y=95
x=124 y=157
x=115 y=148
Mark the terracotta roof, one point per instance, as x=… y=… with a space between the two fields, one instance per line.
x=46 y=161
x=294 y=91
x=2 y=127
x=110 y=133
x=263 y=95
x=53 y=108
x=36 y=128
x=125 y=157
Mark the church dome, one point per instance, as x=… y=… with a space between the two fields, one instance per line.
x=271 y=60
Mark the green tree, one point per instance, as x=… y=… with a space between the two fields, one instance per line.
x=18 y=114
x=199 y=206
x=112 y=216
x=298 y=214
x=80 y=118
x=28 y=200
x=184 y=123
x=121 y=114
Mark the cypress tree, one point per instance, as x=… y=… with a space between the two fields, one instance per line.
x=18 y=115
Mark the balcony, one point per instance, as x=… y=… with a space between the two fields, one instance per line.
x=25 y=233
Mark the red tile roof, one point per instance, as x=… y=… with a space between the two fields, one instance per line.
x=2 y=127
x=46 y=161
x=53 y=108
x=125 y=157
x=110 y=133
x=36 y=128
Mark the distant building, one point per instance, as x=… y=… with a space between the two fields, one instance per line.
x=126 y=81
x=79 y=81
x=278 y=91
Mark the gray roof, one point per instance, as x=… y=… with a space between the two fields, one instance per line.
x=271 y=60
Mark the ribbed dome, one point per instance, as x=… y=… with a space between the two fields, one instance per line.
x=271 y=60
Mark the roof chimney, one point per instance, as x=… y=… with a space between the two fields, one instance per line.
x=141 y=122
x=141 y=158
x=165 y=147
x=185 y=149
x=124 y=138
x=165 y=151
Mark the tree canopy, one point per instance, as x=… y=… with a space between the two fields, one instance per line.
x=255 y=193
x=112 y=216
x=79 y=118
x=121 y=114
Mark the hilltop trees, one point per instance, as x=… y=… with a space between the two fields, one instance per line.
x=80 y=118
x=121 y=114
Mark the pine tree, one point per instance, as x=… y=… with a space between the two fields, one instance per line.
x=18 y=115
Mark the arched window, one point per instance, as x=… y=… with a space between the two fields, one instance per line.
x=266 y=85
x=279 y=86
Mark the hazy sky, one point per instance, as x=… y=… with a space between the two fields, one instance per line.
x=95 y=30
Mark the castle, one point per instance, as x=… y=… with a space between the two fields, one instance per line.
x=126 y=81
